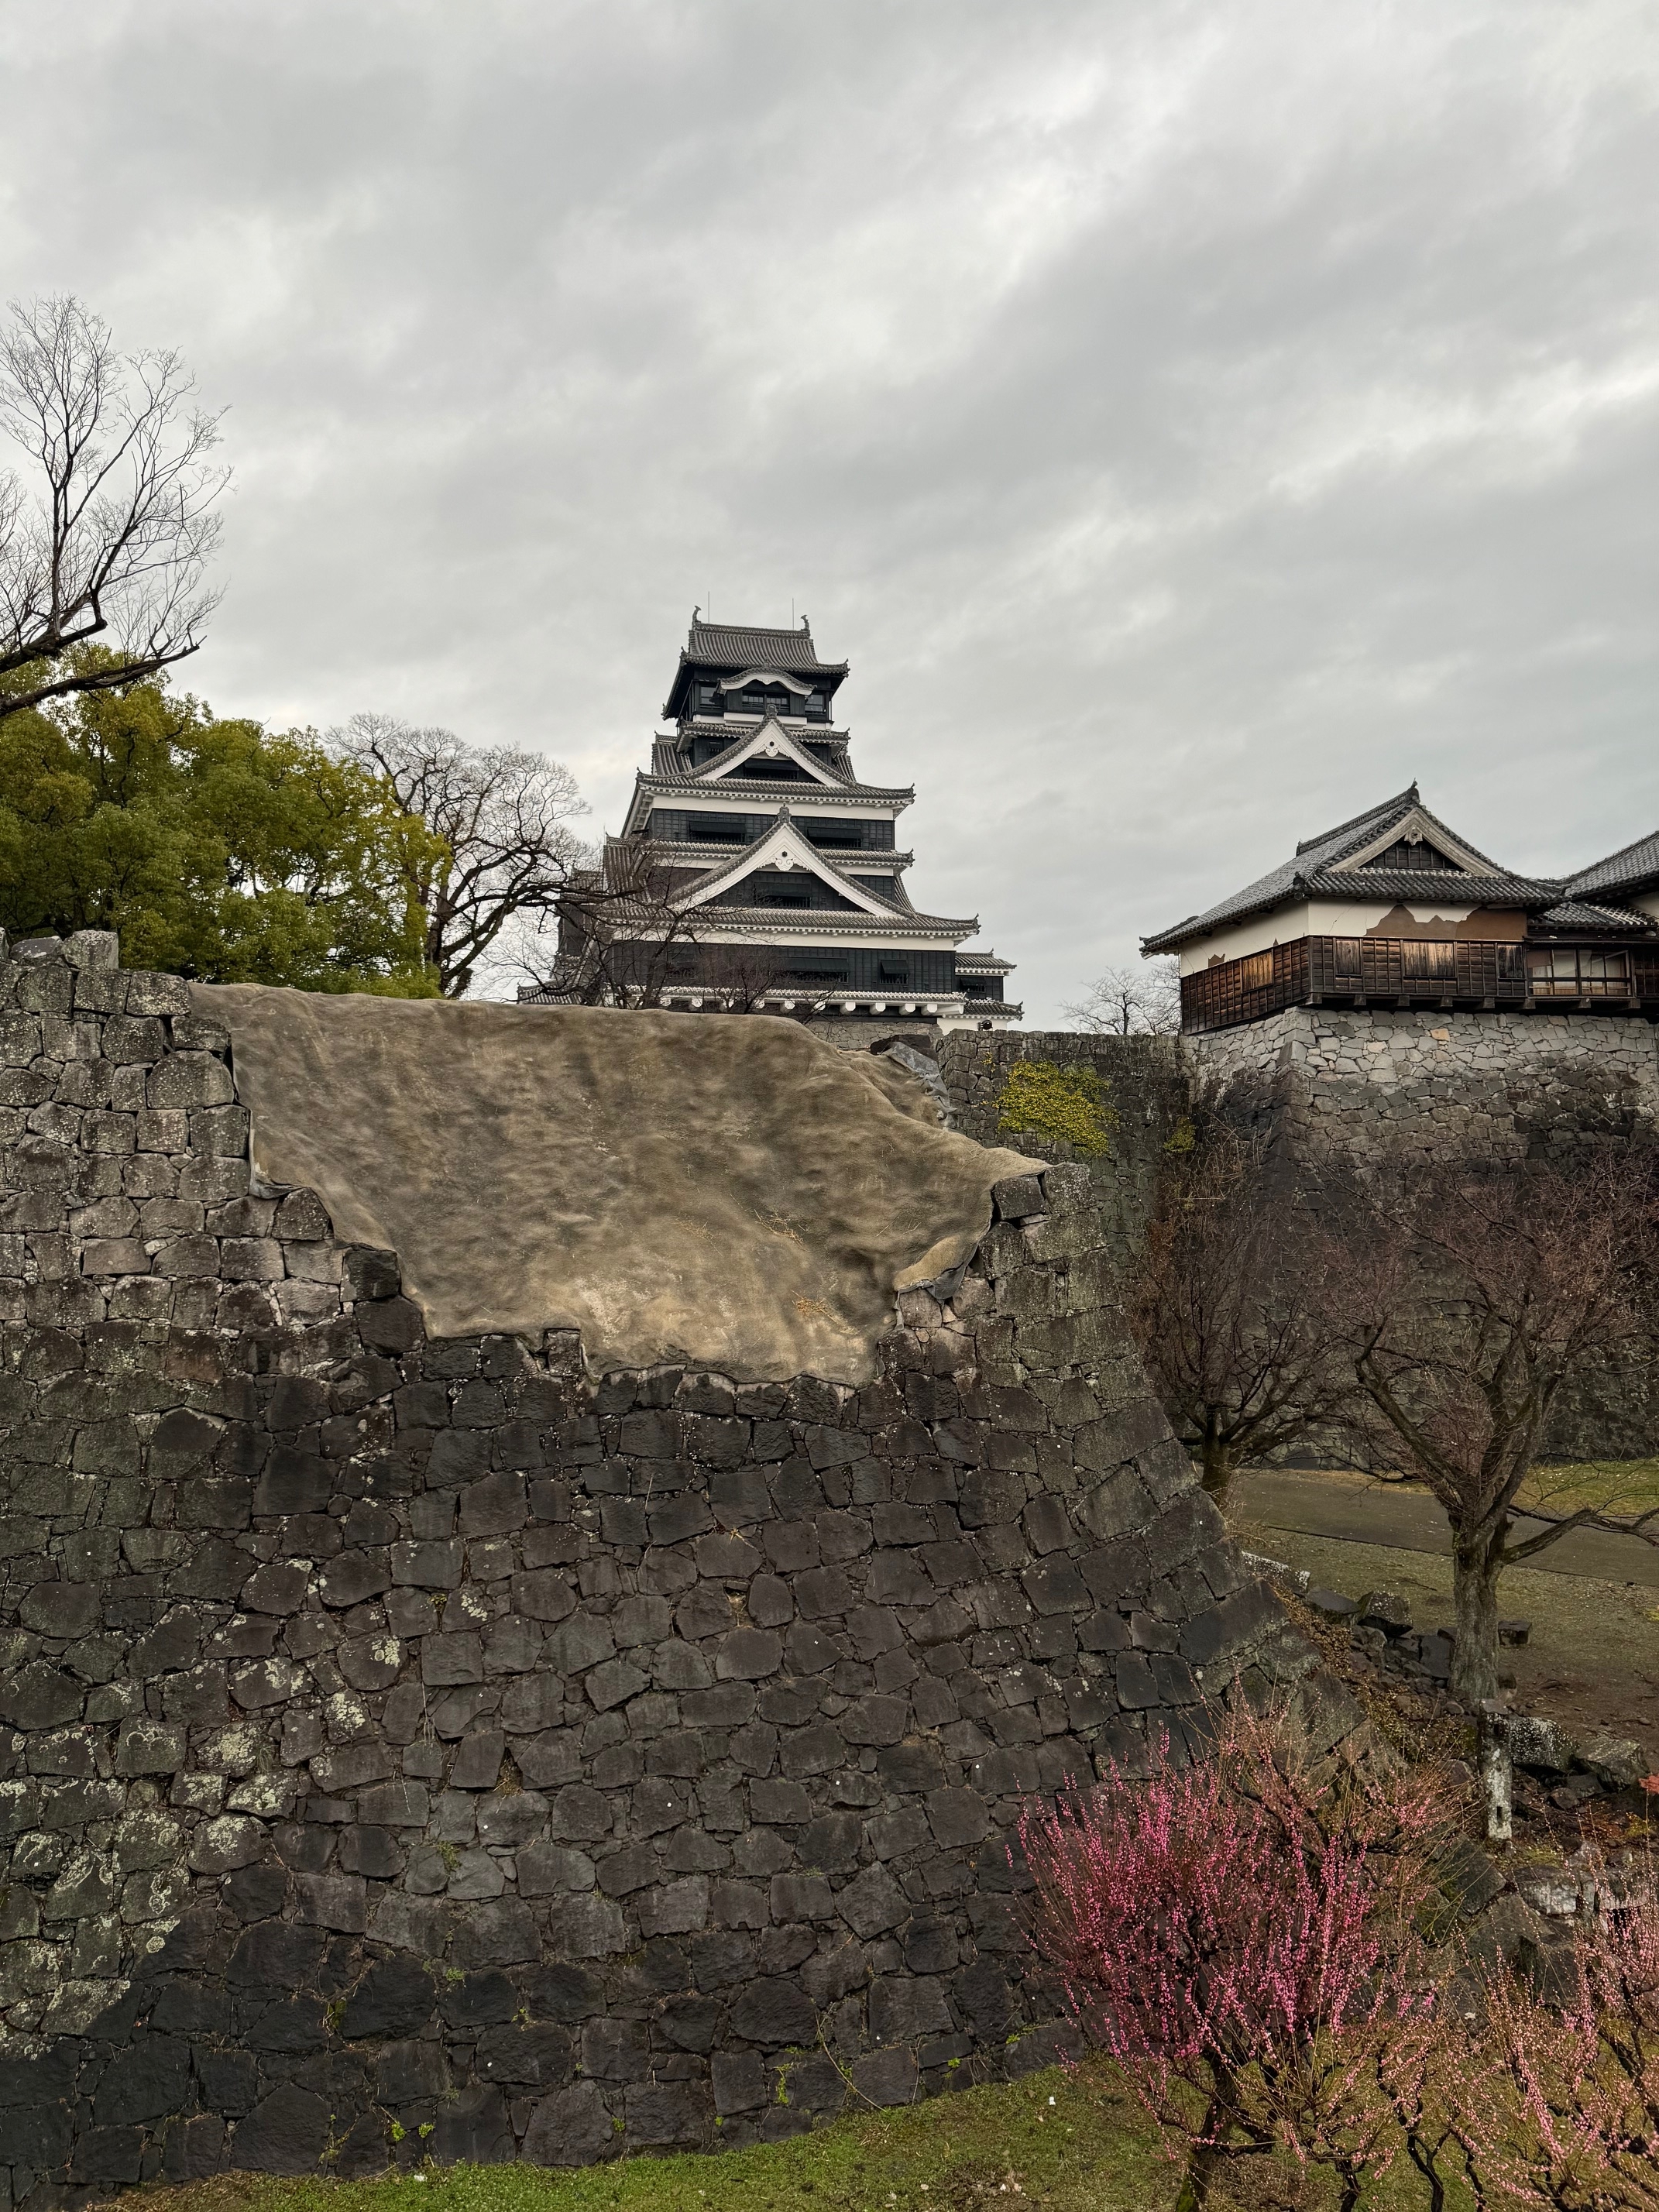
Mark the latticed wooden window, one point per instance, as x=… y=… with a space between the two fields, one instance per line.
x=1570 y=971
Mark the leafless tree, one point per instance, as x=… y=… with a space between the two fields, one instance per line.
x=623 y=938
x=1133 y=1002
x=508 y=856
x=110 y=542
x=1476 y=1299
x=1236 y=1303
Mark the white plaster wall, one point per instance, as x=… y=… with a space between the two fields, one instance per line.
x=1312 y=918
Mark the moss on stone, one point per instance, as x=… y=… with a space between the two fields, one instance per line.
x=1067 y=1104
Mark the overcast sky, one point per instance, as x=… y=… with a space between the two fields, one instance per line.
x=1192 y=421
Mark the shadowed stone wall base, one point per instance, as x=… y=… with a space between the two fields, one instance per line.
x=1486 y=1088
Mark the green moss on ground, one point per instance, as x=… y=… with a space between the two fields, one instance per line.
x=1069 y=2142
x=1067 y=1104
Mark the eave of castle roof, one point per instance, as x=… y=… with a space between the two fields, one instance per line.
x=1597 y=918
x=1316 y=872
x=782 y=831
x=1633 y=867
x=739 y=645
x=833 y=922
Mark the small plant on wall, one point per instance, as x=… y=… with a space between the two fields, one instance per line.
x=1067 y=1105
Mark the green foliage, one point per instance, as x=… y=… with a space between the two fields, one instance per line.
x=1066 y=1104
x=1183 y=1138
x=217 y=850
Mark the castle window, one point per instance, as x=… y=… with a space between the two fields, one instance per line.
x=761 y=699
x=1568 y=971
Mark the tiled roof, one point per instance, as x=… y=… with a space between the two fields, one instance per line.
x=791 y=791
x=734 y=868
x=727 y=645
x=1349 y=837
x=714 y=770
x=722 y=725
x=1313 y=873
x=1421 y=886
x=1633 y=867
x=1580 y=914
x=716 y=854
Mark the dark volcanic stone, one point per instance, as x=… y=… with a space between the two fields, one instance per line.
x=774 y=2011
x=286 y=2133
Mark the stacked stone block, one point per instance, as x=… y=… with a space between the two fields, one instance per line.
x=1366 y=1081
x=431 y=1748
x=1145 y=1082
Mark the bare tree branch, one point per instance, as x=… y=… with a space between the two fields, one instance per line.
x=1143 y=1002
x=1477 y=1299
x=623 y=939
x=507 y=856
x=1234 y=1303
x=113 y=543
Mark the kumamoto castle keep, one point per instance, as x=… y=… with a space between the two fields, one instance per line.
x=783 y=875
x=546 y=1547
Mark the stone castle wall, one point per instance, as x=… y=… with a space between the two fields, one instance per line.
x=1483 y=1086
x=419 y=1747
x=1145 y=1084
x=1486 y=1088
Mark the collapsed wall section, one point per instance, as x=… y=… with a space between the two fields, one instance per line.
x=416 y=1747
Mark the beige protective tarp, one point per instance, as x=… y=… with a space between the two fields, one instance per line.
x=726 y=1189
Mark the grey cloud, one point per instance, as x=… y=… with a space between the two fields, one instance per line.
x=1192 y=421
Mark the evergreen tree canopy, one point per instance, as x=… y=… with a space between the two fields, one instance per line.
x=217 y=850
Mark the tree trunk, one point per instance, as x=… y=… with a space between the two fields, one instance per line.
x=1204 y=2171
x=1215 y=1465
x=1474 y=1600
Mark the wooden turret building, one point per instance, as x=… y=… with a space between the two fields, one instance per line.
x=777 y=875
x=1395 y=910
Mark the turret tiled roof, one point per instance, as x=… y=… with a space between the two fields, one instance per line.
x=1633 y=867
x=730 y=645
x=1581 y=915
x=1316 y=872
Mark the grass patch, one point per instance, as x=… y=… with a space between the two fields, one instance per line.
x=1622 y=1488
x=1067 y=2141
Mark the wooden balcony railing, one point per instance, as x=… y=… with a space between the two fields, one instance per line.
x=1394 y=971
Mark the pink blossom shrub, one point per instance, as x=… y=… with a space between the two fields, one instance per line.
x=1239 y=1934
x=1557 y=2104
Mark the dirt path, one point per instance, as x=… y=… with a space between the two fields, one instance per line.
x=1359 y=1510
